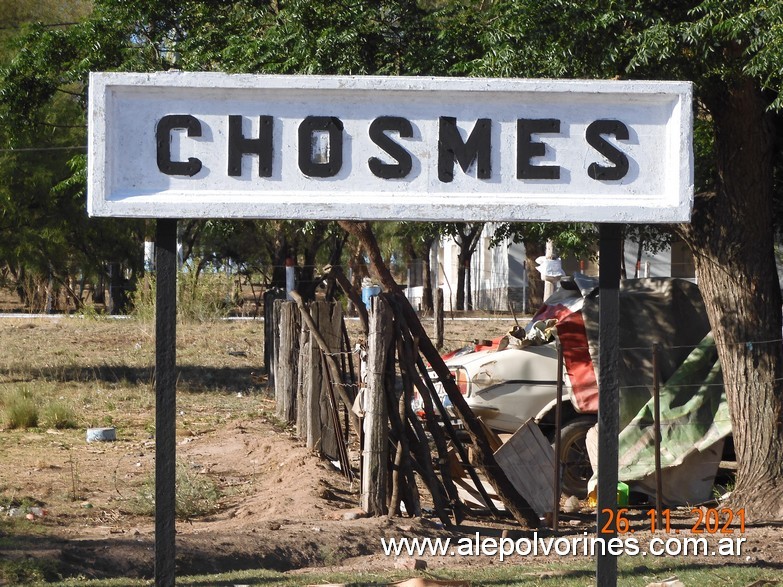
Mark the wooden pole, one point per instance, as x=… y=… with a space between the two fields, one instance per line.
x=407 y=353
x=301 y=400
x=271 y=338
x=287 y=363
x=400 y=431
x=421 y=446
x=312 y=381
x=165 y=401
x=375 y=451
x=334 y=413
x=446 y=420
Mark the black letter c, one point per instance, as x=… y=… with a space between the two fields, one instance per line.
x=163 y=140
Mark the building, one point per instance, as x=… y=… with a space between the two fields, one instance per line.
x=499 y=277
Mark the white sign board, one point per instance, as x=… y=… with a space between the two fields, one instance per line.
x=212 y=145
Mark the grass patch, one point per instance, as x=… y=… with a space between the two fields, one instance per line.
x=28 y=571
x=204 y=297
x=58 y=415
x=21 y=410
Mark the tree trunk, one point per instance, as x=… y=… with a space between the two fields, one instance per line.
x=438 y=319
x=639 y=251
x=426 y=290
x=467 y=237
x=469 y=288
x=427 y=299
x=732 y=239
x=461 y=271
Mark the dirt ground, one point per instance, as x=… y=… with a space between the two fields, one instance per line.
x=280 y=506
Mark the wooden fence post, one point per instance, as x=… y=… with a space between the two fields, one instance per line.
x=375 y=451
x=271 y=338
x=314 y=423
x=328 y=317
x=286 y=366
x=301 y=401
x=312 y=381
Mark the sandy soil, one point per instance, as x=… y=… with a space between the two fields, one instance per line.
x=284 y=509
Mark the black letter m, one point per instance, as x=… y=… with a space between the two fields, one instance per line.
x=477 y=148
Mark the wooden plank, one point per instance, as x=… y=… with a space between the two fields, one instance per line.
x=330 y=328
x=472 y=497
x=313 y=381
x=301 y=400
x=528 y=461
x=492 y=438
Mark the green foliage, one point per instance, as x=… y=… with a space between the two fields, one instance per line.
x=305 y=36
x=570 y=239
x=21 y=410
x=42 y=126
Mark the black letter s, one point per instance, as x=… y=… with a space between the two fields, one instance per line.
x=378 y=129
x=595 y=140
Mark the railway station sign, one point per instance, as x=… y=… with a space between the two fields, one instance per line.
x=213 y=145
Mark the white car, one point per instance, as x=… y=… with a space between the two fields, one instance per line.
x=510 y=386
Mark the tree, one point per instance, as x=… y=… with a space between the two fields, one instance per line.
x=466 y=235
x=48 y=245
x=52 y=69
x=418 y=239
x=649 y=238
x=732 y=52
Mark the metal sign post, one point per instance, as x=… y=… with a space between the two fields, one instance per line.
x=609 y=250
x=165 y=400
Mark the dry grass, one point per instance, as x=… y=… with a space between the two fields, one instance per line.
x=95 y=372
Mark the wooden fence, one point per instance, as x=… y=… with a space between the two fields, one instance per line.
x=316 y=387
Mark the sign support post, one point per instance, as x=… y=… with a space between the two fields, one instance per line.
x=165 y=400
x=610 y=250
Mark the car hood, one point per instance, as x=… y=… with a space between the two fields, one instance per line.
x=488 y=367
